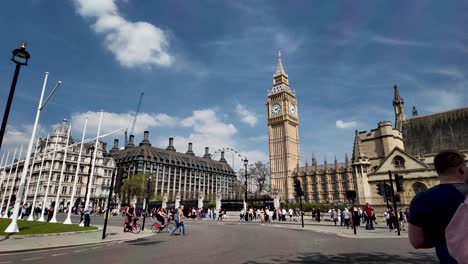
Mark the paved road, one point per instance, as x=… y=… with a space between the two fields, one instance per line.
x=212 y=242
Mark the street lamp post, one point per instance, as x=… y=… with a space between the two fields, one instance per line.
x=246 y=162
x=106 y=215
x=20 y=57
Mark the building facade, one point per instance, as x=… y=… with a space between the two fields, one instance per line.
x=53 y=165
x=174 y=174
x=408 y=149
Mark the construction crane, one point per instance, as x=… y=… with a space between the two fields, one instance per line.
x=134 y=119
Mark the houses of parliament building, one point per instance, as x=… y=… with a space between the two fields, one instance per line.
x=407 y=147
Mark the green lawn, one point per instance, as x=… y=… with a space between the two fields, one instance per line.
x=35 y=227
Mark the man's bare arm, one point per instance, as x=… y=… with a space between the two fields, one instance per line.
x=417 y=238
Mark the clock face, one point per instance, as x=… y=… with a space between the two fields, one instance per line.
x=292 y=109
x=276 y=109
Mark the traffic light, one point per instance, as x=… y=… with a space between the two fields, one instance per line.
x=298 y=188
x=380 y=189
x=399 y=183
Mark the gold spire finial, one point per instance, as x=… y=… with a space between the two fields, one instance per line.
x=279 y=54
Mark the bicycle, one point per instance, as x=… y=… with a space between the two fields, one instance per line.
x=158 y=228
x=134 y=228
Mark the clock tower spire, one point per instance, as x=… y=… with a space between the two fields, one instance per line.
x=283 y=132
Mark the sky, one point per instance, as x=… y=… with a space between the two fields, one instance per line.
x=205 y=68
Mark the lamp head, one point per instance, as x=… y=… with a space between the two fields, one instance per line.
x=21 y=56
x=246 y=162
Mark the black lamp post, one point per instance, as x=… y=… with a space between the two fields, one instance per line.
x=106 y=214
x=148 y=195
x=20 y=57
x=246 y=162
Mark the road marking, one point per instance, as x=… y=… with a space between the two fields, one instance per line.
x=59 y=254
x=97 y=247
x=32 y=258
x=2 y=262
x=77 y=251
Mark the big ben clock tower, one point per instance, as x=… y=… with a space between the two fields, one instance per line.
x=283 y=132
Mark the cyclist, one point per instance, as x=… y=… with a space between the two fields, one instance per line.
x=129 y=215
x=161 y=215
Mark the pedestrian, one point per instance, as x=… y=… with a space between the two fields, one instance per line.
x=334 y=216
x=432 y=210
x=368 y=213
x=87 y=216
x=346 y=217
x=179 y=221
x=50 y=213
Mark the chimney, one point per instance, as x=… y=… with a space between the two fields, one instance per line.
x=190 y=151
x=171 y=144
x=130 y=142
x=145 y=141
x=207 y=153
x=222 y=157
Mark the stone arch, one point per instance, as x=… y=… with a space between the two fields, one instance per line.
x=399 y=162
x=419 y=187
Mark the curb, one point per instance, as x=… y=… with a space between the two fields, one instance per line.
x=51 y=234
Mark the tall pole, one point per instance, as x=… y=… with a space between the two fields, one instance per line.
x=3 y=175
x=386 y=194
x=54 y=217
x=302 y=213
x=93 y=163
x=108 y=203
x=352 y=215
x=245 y=194
x=68 y=220
x=31 y=215
x=394 y=202
x=8 y=181
x=13 y=227
x=30 y=173
x=8 y=105
x=41 y=219
x=146 y=202
x=13 y=182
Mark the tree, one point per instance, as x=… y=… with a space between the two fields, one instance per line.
x=134 y=186
x=259 y=172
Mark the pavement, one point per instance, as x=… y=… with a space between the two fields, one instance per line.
x=235 y=242
x=20 y=243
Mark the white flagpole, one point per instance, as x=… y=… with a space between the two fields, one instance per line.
x=30 y=172
x=41 y=219
x=1 y=163
x=31 y=216
x=13 y=182
x=8 y=181
x=3 y=175
x=68 y=220
x=54 y=217
x=93 y=163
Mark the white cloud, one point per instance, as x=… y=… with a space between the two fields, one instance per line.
x=17 y=136
x=134 y=44
x=394 y=41
x=343 y=124
x=245 y=115
x=450 y=72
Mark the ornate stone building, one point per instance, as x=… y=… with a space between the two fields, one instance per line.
x=53 y=165
x=174 y=173
x=407 y=149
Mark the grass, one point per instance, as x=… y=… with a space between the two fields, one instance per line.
x=35 y=227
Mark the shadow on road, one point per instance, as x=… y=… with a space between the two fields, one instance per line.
x=416 y=258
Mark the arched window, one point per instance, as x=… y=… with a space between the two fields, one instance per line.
x=419 y=187
x=399 y=162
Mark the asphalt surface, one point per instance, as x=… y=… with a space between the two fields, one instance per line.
x=224 y=242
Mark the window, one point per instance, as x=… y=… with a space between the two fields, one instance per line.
x=419 y=187
x=56 y=189
x=64 y=189
x=66 y=178
x=399 y=162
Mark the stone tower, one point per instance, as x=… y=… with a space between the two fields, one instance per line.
x=399 y=108
x=283 y=132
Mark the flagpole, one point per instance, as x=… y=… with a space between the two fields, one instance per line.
x=41 y=219
x=68 y=220
x=54 y=217
x=93 y=164
x=31 y=216
x=8 y=181
x=13 y=183
x=30 y=172
x=3 y=171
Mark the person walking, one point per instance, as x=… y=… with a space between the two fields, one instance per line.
x=87 y=217
x=346 y=217
x=368 y=213
x=179 y=219
x=432 y=210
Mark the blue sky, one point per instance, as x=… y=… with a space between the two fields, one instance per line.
x=205 y=67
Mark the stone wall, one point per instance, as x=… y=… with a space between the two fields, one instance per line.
x=432 y=133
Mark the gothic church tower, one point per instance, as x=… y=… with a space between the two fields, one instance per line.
x=399 y=108
x=283 y=132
